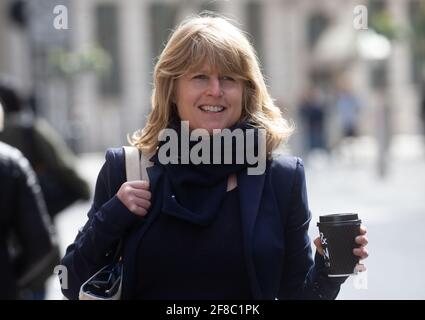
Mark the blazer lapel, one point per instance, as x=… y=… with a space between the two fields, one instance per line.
x=129 y=282
x=250 y=191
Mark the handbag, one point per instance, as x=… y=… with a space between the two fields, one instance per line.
x=106 y=284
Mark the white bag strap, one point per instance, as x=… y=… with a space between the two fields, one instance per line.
x=135 y=166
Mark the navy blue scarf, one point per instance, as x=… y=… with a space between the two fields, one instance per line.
x=195 y=192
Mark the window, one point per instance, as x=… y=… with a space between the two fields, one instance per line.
x=163 y=20
x=317 y=24
x=254 y=28
x=107 y=36
x=209 y=6
x=417 y=40
x=380 y=21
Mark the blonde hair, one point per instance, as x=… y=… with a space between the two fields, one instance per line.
x=217 y=41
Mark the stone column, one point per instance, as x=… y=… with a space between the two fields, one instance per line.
x=134 y=55
x=15 y=53
x=285 y=54
x=86 y=106
x=235 y=10
x=403 y=95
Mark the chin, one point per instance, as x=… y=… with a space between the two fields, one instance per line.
x=210 y=127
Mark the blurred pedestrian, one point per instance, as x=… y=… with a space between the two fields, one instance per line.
x=348 y=109
x=28 y=248
x=312 y=114
x=51 y=159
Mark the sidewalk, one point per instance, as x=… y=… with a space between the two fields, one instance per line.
x=393 y=209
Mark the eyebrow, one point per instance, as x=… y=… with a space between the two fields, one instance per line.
x=206 y=71
x=200 y=71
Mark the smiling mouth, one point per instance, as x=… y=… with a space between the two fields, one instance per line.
x=211 y=108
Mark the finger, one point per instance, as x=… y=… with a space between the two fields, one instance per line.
x=363 y=229
x=139 y=184
x=141 y=211
x=130 y=200
x=143 y=203
x=362 y=240
x=360 y=268
x=318 y=245
x=141 y=194
x=361 y=252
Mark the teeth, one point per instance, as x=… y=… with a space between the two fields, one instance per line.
x=212 y=108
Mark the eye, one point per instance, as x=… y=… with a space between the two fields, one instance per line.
x=200 y=76
x=228 y=78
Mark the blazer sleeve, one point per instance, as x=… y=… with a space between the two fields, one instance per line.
x=303 y=277
x=108 y=222
x=33 y=229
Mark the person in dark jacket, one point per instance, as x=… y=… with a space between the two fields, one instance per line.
x=28 y=248
x=312 y=114
x=51 y=159
x=225 y=227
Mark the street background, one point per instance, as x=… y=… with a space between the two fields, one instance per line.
x=350 y=74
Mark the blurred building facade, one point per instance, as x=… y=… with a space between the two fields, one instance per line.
x=298 y=41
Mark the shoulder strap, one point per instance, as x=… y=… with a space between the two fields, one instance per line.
x=132 y=163
x=135 y=169
x=135 y=164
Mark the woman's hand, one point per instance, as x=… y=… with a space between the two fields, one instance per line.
x=135 y=195
x=361 y=251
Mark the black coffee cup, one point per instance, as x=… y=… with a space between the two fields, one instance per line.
x=337 y=234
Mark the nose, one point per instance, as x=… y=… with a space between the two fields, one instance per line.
x=214 y=87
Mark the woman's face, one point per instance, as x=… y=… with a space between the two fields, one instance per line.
x=208 y=99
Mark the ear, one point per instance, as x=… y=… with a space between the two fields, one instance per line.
x=174 y=113
x=245 y=99
x=173 y=92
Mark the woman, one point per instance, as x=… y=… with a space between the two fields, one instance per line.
x=207 y=231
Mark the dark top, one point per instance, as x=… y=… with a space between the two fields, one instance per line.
x=274 y=222
x=177 y=258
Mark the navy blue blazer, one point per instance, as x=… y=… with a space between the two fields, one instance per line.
x=275 y=221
